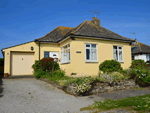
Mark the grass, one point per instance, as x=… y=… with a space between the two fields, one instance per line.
x=138 y=103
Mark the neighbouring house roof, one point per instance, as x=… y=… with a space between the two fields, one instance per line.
x=141 y=49
x=85 y=29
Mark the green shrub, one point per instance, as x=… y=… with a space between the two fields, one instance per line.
x=56 y=66
x=143 y=76
x=36 y=65
x=58 y=73
x=138 y=64
x=110 y=66
x=111 y=77
x=132 y=73
x=39 y=73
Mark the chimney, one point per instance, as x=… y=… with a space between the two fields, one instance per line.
x=95 y=21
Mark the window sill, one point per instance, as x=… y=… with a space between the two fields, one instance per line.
x=91 y=61
x=65 y=63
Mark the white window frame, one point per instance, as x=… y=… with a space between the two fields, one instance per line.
x=118 y=53
x=90 y=53
x=148 y=57
x=63 y=60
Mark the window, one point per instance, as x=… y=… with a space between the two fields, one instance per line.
x=46 y=54
x=147 y=57
x=90 y=52
x=117 y=53
x=65 y=54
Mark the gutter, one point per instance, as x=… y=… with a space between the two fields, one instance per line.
x=39 y=50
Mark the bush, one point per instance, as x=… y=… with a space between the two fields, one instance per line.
x=143 y=76
x=39 y=73
x=49 y=65
x=36 y=65
x=110 y=66
x=58 y=73
x=83 y=83
x=138 y=64
x=111 y=77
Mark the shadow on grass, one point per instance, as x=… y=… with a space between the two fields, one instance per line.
x=1 y=86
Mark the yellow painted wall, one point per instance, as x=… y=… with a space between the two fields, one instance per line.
x=104 y=51
x=20 y=48
x=77 y=60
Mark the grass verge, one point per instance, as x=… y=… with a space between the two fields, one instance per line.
x=141 y=104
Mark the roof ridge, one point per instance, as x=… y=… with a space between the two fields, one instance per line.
x=48 y=33
x=80 y=26
x=66 y=26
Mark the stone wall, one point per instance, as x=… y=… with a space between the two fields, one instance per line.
x=101 y=87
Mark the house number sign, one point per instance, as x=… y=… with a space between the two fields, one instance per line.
x=78 y=51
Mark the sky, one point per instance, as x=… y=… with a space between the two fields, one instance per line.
x=25 y=20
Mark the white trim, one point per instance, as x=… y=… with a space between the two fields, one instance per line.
x=62 y=54
x=103 y=39
x=118 y=52
x=90 y=53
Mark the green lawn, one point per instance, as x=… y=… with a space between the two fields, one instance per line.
x=141 y=104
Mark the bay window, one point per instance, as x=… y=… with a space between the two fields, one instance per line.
x=65 y=54
x=117 y=53
x=90 y=52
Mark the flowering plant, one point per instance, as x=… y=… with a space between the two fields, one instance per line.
x=143 y=76
x=111 y=77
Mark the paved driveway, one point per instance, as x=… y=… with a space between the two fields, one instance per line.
x=29 y=95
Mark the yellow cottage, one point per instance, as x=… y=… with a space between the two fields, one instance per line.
x=80 y=50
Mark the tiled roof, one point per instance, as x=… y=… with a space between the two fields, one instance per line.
x=141 y=48
x=56 y=34
x=87 y=28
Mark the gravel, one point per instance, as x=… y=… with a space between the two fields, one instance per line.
x=29 y=95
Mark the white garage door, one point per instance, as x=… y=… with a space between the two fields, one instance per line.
x=21 y=63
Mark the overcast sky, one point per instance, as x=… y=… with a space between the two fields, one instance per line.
x=25 y=20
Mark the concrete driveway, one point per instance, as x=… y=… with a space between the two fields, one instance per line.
x=29 y=95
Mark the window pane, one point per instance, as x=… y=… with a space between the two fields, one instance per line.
x=87 y=54
x=46 y=54
x=120 y=47
x=93 y=45
x=93 y=54
x=120 y=56
x=114 y=47
x=147 y=57
x=87 y=45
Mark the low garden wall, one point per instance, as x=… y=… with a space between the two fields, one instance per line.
x=101 y=87
x=96 y=87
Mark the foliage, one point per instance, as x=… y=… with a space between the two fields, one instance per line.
x=111 y=77
x=110 y=66
x=138 y=103
x=49 y=65
x=132 y=73
x=83 y=83
x=1 y=59
x=46 y=65
x=138 y=64
x=143 y=76
x=58 y=73
x=39 y=73
x=36 y=65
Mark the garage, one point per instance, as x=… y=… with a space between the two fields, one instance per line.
x=21 y=63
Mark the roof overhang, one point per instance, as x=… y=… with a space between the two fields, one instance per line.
x=90 y=37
